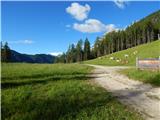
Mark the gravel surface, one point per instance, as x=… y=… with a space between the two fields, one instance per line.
x=137 y=95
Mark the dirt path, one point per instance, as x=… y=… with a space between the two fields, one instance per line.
x=142 y=97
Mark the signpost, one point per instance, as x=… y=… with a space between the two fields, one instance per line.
x=150 y=63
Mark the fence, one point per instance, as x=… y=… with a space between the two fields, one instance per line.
x=153 y=63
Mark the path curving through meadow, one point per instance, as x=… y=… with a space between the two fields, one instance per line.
x=142 y=97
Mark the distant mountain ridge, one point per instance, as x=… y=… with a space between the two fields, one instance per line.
x=37 y=58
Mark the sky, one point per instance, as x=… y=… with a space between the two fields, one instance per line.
x=49 y=27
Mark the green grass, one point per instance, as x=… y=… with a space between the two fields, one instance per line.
x=150 y=50
x=56 y=92
x=152 y=77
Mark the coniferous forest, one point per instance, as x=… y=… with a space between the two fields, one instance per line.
x=139 y=32
x=111 y=72
x=8 y=55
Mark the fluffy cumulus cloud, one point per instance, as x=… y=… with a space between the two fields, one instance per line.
x=120 y=3
x=78 y=11
x=93 y=26
x=111 y=27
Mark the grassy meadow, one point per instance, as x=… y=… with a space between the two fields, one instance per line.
x=56 y=92
x=146 y=76
x=149 y=50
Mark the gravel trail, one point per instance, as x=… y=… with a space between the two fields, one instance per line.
x=142 y=97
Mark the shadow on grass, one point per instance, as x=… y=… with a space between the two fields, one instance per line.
x=155 y=80
x=65 y=105
x=16 y=83
x=38 y=76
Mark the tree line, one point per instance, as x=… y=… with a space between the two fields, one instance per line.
x=76 y=53
x=5 y=52
x=143 y=31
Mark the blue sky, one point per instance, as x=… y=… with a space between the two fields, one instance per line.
x=49 y=27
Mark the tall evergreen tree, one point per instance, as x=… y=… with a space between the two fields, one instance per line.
x=86 y=49
x=5 y=53
x=79 y=51
x=97 y=47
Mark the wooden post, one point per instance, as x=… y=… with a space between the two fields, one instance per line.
x=159 y=64
x=137 y=63
x=158 y=36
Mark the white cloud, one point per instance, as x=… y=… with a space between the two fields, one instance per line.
x=78 y=11
x=90 y=26
x=27 y=41
x=21 y=42
x=111 y=27
x=55 y=53
x=120 y=3
x=93 y=26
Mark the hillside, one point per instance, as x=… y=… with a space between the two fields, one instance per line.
x=149 y=50
x=154 y=18
x=139 y=32
x=37 y=58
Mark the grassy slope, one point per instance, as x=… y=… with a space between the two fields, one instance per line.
x=150 y=50
x=41 y=91
x=143 y=75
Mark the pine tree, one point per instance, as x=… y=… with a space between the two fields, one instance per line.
x=86 y=49
x=79 y=51
x=5 y=53
x=97 y=47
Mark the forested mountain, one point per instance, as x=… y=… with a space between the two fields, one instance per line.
x=8 y=55
x=37 y=58
x=139 y=32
